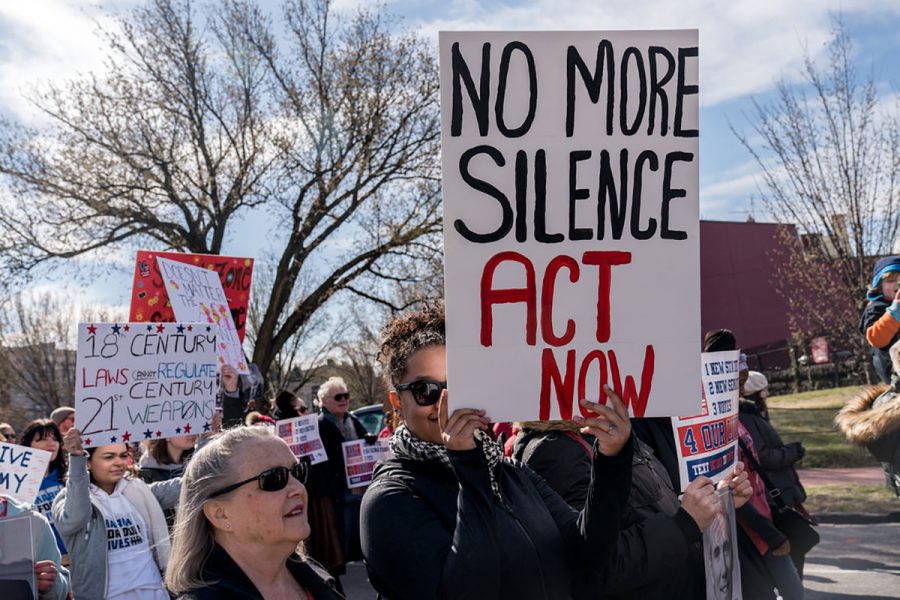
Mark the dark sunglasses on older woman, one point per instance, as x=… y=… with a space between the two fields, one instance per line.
x=272 y=480
x=426 y=392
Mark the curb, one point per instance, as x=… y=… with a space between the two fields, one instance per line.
x=835 y=518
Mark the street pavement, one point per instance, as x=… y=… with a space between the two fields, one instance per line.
x=852 y=562
x=860 y=475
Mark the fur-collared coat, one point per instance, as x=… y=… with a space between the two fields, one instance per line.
x=872 y=420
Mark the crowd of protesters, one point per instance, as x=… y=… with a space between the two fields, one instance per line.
x=587 y=508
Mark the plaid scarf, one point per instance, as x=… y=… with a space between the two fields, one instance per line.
x=406 y=445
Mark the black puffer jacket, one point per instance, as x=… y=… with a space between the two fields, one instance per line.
x=658 y=551
x=776 y=458
x=430 y=532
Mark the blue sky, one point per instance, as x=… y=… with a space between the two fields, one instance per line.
x=745 y=48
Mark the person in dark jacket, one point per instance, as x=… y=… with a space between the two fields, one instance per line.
x=776 y=458
x=334 y=507
x=241 y=520
x=289 y=406
x=659 y=554
x=872 y=420
x=450 y=517
x=880 y=320
x=165 y=459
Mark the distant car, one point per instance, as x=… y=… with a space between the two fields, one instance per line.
x=372 y=417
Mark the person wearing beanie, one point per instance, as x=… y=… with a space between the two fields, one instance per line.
x=880 y=320
x=64 y=417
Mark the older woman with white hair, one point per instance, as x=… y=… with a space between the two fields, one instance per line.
x=334 y=508
x=241 y=520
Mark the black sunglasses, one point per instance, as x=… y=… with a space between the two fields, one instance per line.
x=9 y=436
x=342 y=397
x=425 y=391
x=272 y=480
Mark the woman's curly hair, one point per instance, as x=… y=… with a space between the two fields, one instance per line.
x=405 y=335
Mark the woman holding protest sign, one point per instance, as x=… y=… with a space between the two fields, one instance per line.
x=449 y=517
x=43 y=434
x=113 y=526
x=334 y=507
x=242 y=516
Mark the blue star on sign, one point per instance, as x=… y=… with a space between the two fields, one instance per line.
x=116 y=329
x=112 y=439
x=208 y=328
x=149 y=327
x=148 y=434
x=178 y=430
x=206 y=426
x=180 y=328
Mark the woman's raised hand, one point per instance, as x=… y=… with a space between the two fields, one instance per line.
x=458 y=430
x=72 y=442
x=611 y=426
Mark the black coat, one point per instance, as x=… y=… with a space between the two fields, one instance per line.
x=328 y=478
x=229 y=582
x=776 y=458
x=658 y=551
x=431 y=532
x=880 y=357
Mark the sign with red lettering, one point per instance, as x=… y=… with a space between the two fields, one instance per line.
x=707 y=443
x=144 y=381
x=359 y=460
x=149 y=301
x=571 y=220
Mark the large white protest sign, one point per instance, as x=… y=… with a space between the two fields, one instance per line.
x=17 y=580
x=302 y=435
x=143 y=381
x=21 y=471
x=720 y=553
x=196 y=294
x=571 y=220
x=707 y=443
x=360 y=458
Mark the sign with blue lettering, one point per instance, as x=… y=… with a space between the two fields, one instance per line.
x=143 y=381
x=21 y=471
x=707 y=443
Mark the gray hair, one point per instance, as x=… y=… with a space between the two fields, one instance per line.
x=330 y=384
x=212 y=468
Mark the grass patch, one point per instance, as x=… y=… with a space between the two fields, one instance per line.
x=851 y=498
x=808 y=417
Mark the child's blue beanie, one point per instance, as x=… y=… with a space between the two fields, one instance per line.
x=884 y=265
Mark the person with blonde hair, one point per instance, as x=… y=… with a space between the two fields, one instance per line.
x=242 y=517
x=334 y=507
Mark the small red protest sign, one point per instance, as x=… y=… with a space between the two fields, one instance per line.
x=149 y=301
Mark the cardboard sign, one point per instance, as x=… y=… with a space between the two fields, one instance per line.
x=17 y=580
x=360 y=458
x=22 y=471
x=302 y=435
x=150 y=302
x=707 y=443
x=142 y=381
x=720 y=553
x=571 y=220
x=196 y=294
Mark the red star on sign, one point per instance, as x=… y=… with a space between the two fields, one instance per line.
x=190 y=327
x=127 y=328
x=159 y=434
x=87 y=442
x=187 y=428
x=92 y=329
x=126 y=437
x=160 y=328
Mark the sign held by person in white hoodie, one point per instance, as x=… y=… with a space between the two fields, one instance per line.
x=571 y=220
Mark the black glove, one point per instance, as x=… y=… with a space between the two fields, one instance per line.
x=370 y=438
x=801 y=451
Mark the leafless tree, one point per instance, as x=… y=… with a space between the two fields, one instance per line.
x=37 y=352
x=829 y=150
x=202 y=115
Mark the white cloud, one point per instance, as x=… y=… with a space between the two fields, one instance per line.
x=745 y=45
